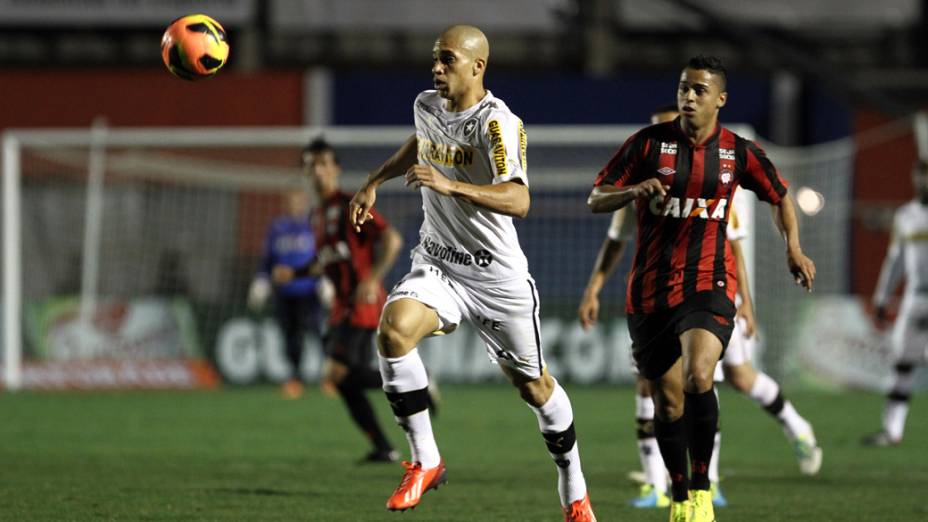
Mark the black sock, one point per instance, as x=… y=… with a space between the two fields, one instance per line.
x=671 y=439
x=362 y=413
x=702 y=413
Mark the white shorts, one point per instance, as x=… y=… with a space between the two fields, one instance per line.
x=910 y=333
x=740 y=350
x=505 y=314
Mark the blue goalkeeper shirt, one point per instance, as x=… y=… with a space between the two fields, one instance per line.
x=291 y=242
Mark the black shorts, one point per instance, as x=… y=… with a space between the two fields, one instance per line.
x=656 y=336
x=351 y=346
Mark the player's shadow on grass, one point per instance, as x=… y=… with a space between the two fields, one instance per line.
x=265 y=492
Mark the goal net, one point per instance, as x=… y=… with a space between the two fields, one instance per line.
x=128 y=252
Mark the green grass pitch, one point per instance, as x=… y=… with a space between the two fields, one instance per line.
x=246 y=454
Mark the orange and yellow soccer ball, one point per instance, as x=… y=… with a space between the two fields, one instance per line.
x=194 y=47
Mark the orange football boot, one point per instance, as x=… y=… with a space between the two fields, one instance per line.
x=416 y=481
x=579 y=511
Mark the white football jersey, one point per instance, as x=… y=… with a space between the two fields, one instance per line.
x=735 y=231
x=908 y=250
x=483 y=145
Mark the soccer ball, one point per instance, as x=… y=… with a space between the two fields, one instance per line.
x=194 y=47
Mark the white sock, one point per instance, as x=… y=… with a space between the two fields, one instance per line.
x=794 y=425
x=407 y=374
x=556 y=416
x=653 y=464
x=649 y=454
x=714 y=463
x=894 y=418
x=765 y=391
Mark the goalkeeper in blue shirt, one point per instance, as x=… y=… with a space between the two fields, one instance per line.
x=290 y=242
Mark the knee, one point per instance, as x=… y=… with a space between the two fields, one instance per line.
x=699 y=376
x=396 y=335
x=740 y=381
x=667 y=408
x=392 y=341
x=537 y=392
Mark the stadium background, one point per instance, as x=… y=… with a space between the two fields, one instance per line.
x=830 y=88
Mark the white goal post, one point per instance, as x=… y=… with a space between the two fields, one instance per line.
x=561 y=158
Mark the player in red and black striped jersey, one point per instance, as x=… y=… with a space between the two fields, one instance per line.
x=356 y=263
x=680 y=298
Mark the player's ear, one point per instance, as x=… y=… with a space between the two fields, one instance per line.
x=723 y=97
x=479 y=66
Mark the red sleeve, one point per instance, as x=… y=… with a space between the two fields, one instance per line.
x=622 y=168
x=761 y=177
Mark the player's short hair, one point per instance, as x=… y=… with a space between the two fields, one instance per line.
x=712 y=64
x=668 y=107
x=317 y=146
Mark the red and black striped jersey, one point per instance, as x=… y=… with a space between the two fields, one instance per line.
x=681 y=247
x=349 y=257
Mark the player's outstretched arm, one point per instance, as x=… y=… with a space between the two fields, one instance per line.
x=621 y=228
x=890 y=275
x=746 y=310
x=388 y=248
x=608 y=258
x=608 y=198
x=802 y=268
x=363 y=200
x=510 y=198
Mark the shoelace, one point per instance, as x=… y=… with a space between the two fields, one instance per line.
x=411 y=471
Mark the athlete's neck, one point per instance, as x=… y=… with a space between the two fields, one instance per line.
x=327 y=192
x=466 y=100
x=698 y=135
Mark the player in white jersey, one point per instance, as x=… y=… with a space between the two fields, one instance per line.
x=908 y=254
x=468 y=161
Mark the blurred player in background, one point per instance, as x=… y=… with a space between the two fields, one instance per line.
x=356 y=262
x=621 y=231
x=468 y=161
x=908 y=254
x=290 y=242
x=681 y=290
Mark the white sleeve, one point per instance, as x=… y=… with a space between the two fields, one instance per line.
x=506 y=143
x=735 y=231
x=891 y=271
x=623 y=225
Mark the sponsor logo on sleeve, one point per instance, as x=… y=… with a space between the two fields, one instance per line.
x=498 y=148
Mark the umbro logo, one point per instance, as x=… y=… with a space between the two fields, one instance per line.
x=666 y=171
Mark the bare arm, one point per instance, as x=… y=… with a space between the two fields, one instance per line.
x=802 y=268
x=609 y=198
x=890 y=276
x=384 y=256
x=363 y=201
x=606 y=261
x=746 y=310
x=387 y=249
x=510 y=198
